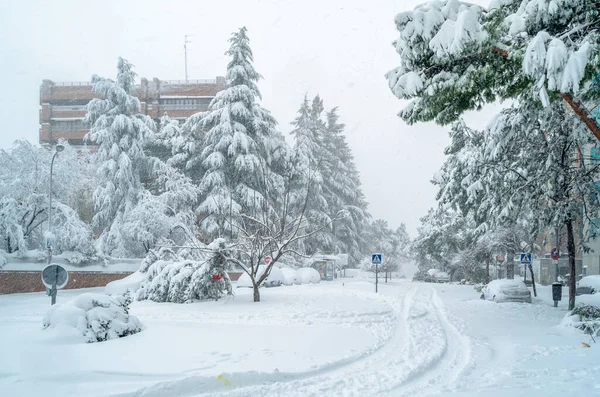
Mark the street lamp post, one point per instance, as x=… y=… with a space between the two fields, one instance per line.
x=58 y=148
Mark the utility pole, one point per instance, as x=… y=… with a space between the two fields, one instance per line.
x=185 y=43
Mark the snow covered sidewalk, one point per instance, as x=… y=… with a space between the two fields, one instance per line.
x=294 y=331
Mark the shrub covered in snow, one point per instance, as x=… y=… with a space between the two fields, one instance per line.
x=586 y=318
x=3 y=259
x=274 y=279
x=307 y=275
x=183 y=280
x=97 y=317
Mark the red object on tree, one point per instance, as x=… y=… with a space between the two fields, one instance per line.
x=216 y=277
x=267 y=259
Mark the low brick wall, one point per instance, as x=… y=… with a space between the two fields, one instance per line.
x=14 y=282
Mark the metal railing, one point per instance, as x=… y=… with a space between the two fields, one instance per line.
x=72 y=83
x=183 y=107
x=204 y=81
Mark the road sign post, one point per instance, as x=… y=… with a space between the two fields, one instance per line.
x=376 y=259
x=525 y=260
x=54 y=277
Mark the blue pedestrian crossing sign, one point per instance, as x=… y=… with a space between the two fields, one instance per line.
x=525 y=259
x=376 y=259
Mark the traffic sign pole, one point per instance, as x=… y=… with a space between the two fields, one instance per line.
x=54 y=277
x=376 y=259
x=53 y=290
x=376 y=278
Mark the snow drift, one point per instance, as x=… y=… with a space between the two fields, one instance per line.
x=132 y=283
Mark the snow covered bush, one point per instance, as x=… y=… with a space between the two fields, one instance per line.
x=181 y=280
x=3 y=259
x=308 y=275
x=586 y=318
x=97 y=317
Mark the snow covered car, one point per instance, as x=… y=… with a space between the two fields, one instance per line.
x=506 y=291
x=275 y=278
x=588 y=285
x=437 y=276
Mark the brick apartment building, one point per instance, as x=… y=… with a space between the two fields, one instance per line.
x=63 y=105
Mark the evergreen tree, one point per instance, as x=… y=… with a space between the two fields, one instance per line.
x=120 y=131
x=166 y=144
x=456 y=56
x=309 y=159
x=241 y=148
x=526 y=172
x=343 y=190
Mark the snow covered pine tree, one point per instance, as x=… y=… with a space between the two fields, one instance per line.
x=241 y=147
x=120 y=130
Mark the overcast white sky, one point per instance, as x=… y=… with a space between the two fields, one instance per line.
x=338 y=49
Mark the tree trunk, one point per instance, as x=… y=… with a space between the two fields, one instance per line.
x=256 y=292
x=510 y=265
x=584 y=114
x=532 y=280
x=572 y=269
x=386 y=276
x=8 y=247
x=487 y=271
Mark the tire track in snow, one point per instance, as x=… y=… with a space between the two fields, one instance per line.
x=426 y=354
x=446 y=363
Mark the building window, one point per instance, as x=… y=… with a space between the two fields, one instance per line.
x=68 y=125
x=185 y=102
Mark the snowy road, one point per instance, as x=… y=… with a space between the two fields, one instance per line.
x=333 y=339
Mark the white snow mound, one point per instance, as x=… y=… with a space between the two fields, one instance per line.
x=131 y=283
x=275 y=278
x=97 y=317
x=351 y=273
x=308 y=275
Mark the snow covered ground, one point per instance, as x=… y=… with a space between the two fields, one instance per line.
x=329 y=339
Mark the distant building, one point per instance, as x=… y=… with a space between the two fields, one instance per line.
x=63 y=105
x=591 y=259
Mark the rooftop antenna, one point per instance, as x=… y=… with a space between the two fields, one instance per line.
x=185 y=43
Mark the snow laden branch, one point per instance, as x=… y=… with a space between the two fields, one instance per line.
x=456 y=56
